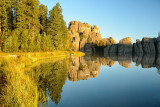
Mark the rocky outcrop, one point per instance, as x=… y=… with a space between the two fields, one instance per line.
x=157 y=44
x=148 y=45
x=83 y=33
x=125 y=46
x=140 y=48
x=137 y=48
x=108 y=41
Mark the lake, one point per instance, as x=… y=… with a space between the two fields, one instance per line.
x=87 y=81
x=96 y=81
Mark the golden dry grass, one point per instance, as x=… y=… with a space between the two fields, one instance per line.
x=19 y=89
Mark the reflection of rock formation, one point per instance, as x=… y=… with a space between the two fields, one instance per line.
x=83 y=68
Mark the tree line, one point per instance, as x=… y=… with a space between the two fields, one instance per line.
x=27 y=26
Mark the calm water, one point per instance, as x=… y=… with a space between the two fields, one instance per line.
x=96 y=81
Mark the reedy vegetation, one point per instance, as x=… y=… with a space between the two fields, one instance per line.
x=26 y=26
x=20 y=85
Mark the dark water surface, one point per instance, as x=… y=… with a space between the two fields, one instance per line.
x=97 y=81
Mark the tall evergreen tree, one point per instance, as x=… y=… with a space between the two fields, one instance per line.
x=27 y=15
x=43 y=17
x=20 y=22
x=57 y=27
x=5 y=15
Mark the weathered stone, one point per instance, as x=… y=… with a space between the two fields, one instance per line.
x=106 y=50
x=125 y=46
x=113 y=48
x=148 y=45
x=88 y=48
x=108 y=41
x=137 y=48
x=157 y=44
x=125 y=41
x=124 y=49
x=82 y=33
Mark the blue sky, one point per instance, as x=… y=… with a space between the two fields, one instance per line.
x=115 y=18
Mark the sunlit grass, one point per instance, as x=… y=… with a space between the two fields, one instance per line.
x=19 y=89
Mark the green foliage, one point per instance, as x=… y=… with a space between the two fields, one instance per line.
x=11 y=43
x=46 y=43
x=89 y=39
x=57 y=28
x=101 y=43
x=82 y=36
x=37 y=43
x=24 y=41
x=43 y=17
x=24 y=25
x=50 y=76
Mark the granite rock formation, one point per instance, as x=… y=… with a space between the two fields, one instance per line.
x=137 y=48
x=83 y=34
x=148 y=45
x=125 y=46
x=140 y=48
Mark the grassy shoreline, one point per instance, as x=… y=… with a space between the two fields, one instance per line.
x=28 y=59
x=18 y=85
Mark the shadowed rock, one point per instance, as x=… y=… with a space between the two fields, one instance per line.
x=137 y=48
x=148 y=46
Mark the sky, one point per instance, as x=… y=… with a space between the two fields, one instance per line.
x=115 y=18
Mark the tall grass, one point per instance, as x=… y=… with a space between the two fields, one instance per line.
x=19 y=88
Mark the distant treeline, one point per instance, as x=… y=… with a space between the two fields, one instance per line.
x=26 y=26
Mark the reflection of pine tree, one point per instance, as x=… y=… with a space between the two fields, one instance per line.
x=53 y=77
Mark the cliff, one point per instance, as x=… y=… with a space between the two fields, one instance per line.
x=145 y=46
x=85 y=37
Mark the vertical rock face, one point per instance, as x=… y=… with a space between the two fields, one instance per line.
x=137 y=48
x=113 y=48
x=125 y=46
x=157 y=44
x=82 y=33
x=148 y=45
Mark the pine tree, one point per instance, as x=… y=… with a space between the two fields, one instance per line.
x=57 y=28
x=5 y=15
x=43 y=18
x=27 y=15
x=37 y=43
x=20 y=22
x=24 y=41
x=32 y=16
x=46 y=43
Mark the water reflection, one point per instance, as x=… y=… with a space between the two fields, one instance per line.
x=48 y=79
